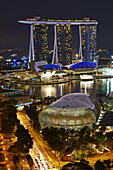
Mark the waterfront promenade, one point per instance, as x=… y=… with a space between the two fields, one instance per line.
x=59 y=81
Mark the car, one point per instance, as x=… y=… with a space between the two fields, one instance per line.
x=53 y=166
x=36 y=161
x=35 y=167
x=38 y=156
x=42 y=164
x=48 y=167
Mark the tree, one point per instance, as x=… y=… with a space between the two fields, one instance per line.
x=107 y=163
x=6 y=126
x=34 y=116
x=77 y=166
x=45 y=133
x=103 y=129
x=84 y=138
x=10 y=112
x=17 y=163
x=100 y=138
x=12 y=102
x=24 y=140
x=99 y=165
x=62 y=134
x=29 y=160
x=109 y=140
x=54 y=139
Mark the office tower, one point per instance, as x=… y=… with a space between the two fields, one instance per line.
x=64 y=44
x=88 y=42
x=104 y=58
x=40 y=34
x=103 y=54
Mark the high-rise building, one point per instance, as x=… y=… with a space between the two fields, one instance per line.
x=64 y=44
x=40 y=33
x=88 y=42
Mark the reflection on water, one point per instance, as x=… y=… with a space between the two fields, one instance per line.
x=86 y=86
x=98 y=87
x=48 y=91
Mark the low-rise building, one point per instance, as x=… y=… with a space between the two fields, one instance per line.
x=72 y=111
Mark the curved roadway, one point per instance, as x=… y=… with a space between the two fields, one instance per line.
x=42 y=148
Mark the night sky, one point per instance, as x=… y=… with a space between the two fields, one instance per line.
x=16 y=35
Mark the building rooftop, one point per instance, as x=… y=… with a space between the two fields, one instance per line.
x=38 y=20
x=107 y=120
x=74 y=101
x=72 y=111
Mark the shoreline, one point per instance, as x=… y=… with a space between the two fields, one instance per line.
x=61 y=82
x=42 y=83
x=57 y=82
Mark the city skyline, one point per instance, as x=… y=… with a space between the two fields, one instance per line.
x=62 y=40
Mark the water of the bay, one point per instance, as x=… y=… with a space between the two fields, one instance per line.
x=98 y=88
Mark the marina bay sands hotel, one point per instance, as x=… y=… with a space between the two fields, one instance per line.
x=62 y=43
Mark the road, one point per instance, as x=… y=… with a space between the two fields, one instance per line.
x=44 y=150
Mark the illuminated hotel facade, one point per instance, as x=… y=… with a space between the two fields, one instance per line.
x=88 y=43
x=62 y=46
x=40 y=34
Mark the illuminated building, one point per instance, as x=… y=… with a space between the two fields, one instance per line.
x=104 y=58
x=72 y=111
x=40 y=42
x=44 y=71
x=103 y=53
x=88 y=42
x=64 y=44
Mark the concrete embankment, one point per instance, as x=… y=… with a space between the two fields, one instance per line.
x=42 y=83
